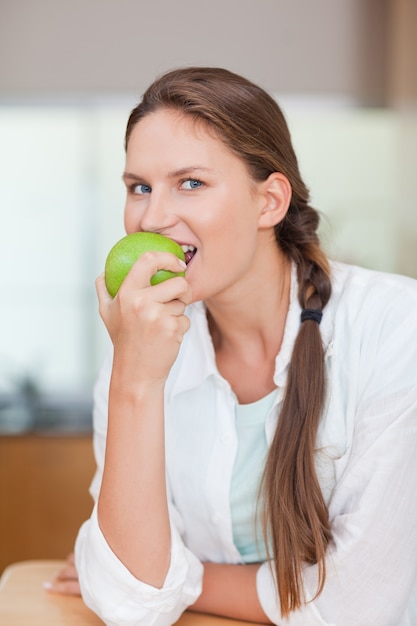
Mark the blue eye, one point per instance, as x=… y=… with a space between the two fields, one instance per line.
x=141 y=189
x=191 y=183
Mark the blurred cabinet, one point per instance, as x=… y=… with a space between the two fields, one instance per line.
x=44 y=496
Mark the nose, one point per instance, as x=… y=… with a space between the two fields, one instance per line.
x=153 y=215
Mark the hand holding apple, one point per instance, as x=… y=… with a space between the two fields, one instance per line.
x=146 y=325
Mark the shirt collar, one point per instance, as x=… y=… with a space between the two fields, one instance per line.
x=196 y=360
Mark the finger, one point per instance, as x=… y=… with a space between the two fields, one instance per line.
x=174 y=305
x=68 y=588
x=181 y=335
x=148 y=264
x=175 y=308
x=67 y=573
x=183 y=326
x=176 y=288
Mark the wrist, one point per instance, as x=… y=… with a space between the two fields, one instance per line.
x=230 y=591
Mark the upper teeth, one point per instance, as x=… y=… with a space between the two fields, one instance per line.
x=188 y=248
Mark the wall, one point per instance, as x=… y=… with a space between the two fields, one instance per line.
x=113 y=46
x=81 y=65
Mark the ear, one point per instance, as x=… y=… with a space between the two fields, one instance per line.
x=276 y=197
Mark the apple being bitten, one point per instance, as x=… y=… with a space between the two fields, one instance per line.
x=127 y=251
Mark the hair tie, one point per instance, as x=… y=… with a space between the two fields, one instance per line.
x=311 y=314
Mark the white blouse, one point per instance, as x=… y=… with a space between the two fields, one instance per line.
x=366 y=463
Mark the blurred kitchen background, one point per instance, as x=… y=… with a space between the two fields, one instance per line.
x=345 y=73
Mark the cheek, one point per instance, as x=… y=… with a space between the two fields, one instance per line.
x=130 y=220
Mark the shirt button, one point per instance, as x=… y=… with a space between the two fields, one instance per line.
x=215 y=518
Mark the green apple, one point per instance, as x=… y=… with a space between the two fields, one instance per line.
x=126 y=251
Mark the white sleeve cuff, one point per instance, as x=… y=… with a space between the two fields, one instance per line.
x=112 y=592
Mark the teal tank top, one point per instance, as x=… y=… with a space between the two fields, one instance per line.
x=247 y=473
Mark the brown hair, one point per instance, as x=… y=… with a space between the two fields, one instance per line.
x=251 y=124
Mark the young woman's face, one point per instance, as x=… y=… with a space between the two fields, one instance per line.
x=184 y=183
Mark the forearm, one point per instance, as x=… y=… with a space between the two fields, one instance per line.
x=230 y=591
x=132 y=506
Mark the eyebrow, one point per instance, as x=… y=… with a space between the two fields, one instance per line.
x=174 y=174
x=129 y=176
x=189 y=170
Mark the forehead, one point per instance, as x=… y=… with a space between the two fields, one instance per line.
x=166 y=127
x=168 y=140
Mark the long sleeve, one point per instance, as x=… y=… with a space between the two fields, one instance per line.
x=108 y=588
x=372 y=561
x=118 y=598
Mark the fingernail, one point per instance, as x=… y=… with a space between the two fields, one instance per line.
x=182 y=263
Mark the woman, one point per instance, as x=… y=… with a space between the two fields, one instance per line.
x=255 y=425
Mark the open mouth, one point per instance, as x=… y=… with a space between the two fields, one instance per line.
x=189 y=252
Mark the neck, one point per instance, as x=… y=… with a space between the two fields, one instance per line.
x=249 y=323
